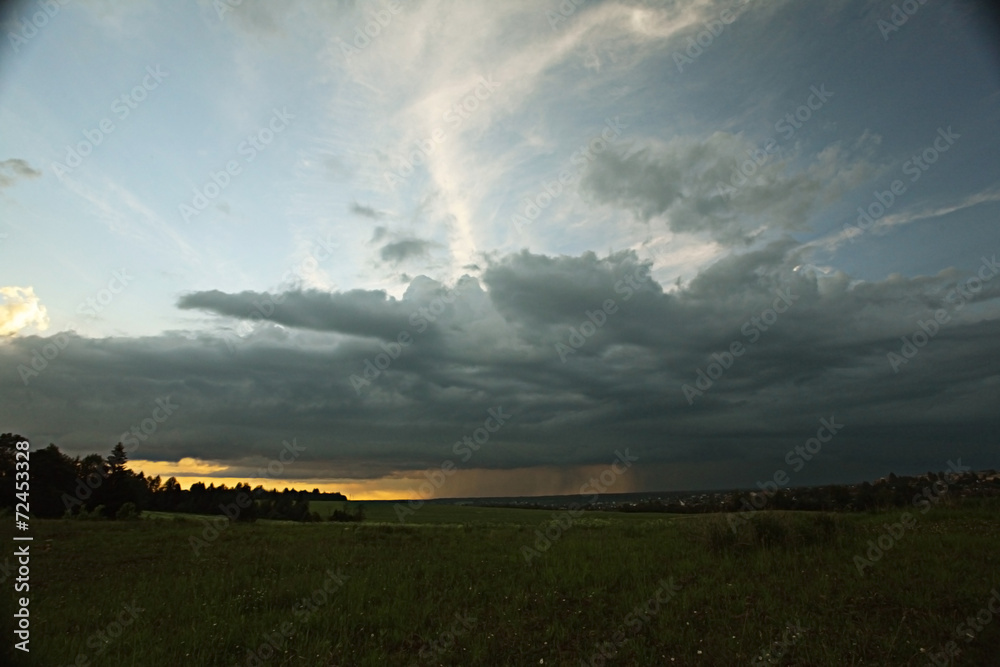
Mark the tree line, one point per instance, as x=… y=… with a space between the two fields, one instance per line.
x=885 y=493
x=99 y=487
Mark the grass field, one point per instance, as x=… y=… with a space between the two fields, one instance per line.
x=454 y=588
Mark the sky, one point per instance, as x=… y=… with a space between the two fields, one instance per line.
x=450 y=249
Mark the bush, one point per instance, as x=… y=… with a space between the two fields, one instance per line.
x=95 y=514
x=344 y=515
x=771 y=531
x=767 y=530
x=128 y=511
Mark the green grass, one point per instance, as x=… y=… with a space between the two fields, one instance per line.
x=435 y=514
x=406 y=583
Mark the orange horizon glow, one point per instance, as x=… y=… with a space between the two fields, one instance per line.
x=190 y=471
x=411 y=485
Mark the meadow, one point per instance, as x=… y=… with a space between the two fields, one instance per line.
x=453 y=586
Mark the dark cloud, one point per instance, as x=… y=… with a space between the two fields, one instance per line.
x=404 y=249
x=621 y=385
x=356 y=312
x=689 y=182
x=13 y=170
x=366 y=211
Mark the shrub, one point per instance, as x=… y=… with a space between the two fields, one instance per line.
x=344 y=515
x=95 y=514
x=128 y=511
x=771 y=531
x=767 y=530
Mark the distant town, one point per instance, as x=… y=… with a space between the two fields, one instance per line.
x=885 y=492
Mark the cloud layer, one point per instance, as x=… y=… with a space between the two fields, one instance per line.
x=586 y=353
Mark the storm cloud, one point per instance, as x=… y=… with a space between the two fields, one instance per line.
x=587 y=353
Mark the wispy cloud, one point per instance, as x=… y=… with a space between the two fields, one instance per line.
x=888 y=223
x=366 y=211
x=14 y=170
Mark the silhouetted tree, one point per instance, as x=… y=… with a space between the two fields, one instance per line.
x=8 y=450
x=52 y=473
